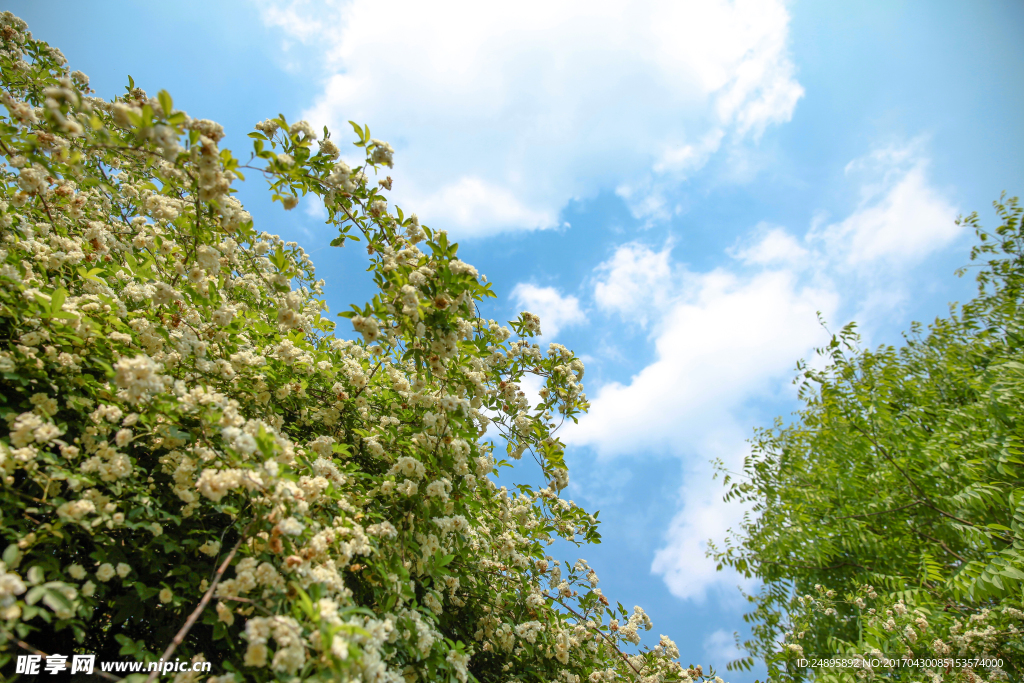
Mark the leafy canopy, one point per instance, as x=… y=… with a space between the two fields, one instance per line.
x=889 y=516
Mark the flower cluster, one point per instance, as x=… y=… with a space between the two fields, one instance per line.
x=184 y=423
x=912 y=640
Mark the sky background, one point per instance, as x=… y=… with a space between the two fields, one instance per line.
x=677 y=189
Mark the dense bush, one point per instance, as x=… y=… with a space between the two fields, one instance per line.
x=888 y=518
x=184 y=427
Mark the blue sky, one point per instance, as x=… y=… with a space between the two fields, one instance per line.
x=676 y=188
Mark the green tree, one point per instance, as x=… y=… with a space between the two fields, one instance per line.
x=195 y=466
x=889 y=516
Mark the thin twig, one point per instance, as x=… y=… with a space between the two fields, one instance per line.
x=808 y=565
x=924 y=499
x=964 y=521
x=251 y=602
x=47 y=210
x=945 y=547
x=888 y=457
x=603 y=634
x=372 y=373
x=190 y=622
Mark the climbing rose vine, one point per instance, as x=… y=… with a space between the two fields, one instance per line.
x=195 y=466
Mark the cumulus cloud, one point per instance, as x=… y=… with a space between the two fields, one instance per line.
x=555 y=311
x=901 y=218
x=635 y=282
x=719 y=344
x=726 y=337
x=471 y=200
x=771 y=245
x=500 y=115
x=703 y=515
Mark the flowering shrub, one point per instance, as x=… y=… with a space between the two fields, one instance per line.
x=889 y=517
x=194 y=465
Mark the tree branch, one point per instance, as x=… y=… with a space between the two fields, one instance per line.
x=922 y=497
x=944 y=547
x=190 y=622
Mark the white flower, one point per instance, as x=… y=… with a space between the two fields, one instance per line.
x=368 y=327
x=382 y=153
x=75 y=510
x=138 y=377
x=208 y=258
x=407 y=487
x=10 y=585
x=329 y=149
x=105 y=572
x=290 y=526
x=166 y=595
x=268 y=127
x=210 y=548
x=409 y=467
x=256 y=655
x=223 y=316
x=225 y=614
x=431 y=601
x=439 y=488
x=305 y=128
x=122 y=437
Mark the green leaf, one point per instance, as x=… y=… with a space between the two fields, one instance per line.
x=358 y=130
x=57 y=300
x=166 y=103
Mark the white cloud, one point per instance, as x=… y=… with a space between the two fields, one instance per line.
x=703 y=515
x=725 y=337
x=772 y=246
x=300 y=25
x=555 y=311
x=720 y=646
x=722 y=341
x=501 y=115
x=313 y=206
x=901 y=218
x=681 y=160
x=471 y=200
x=635 y=282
